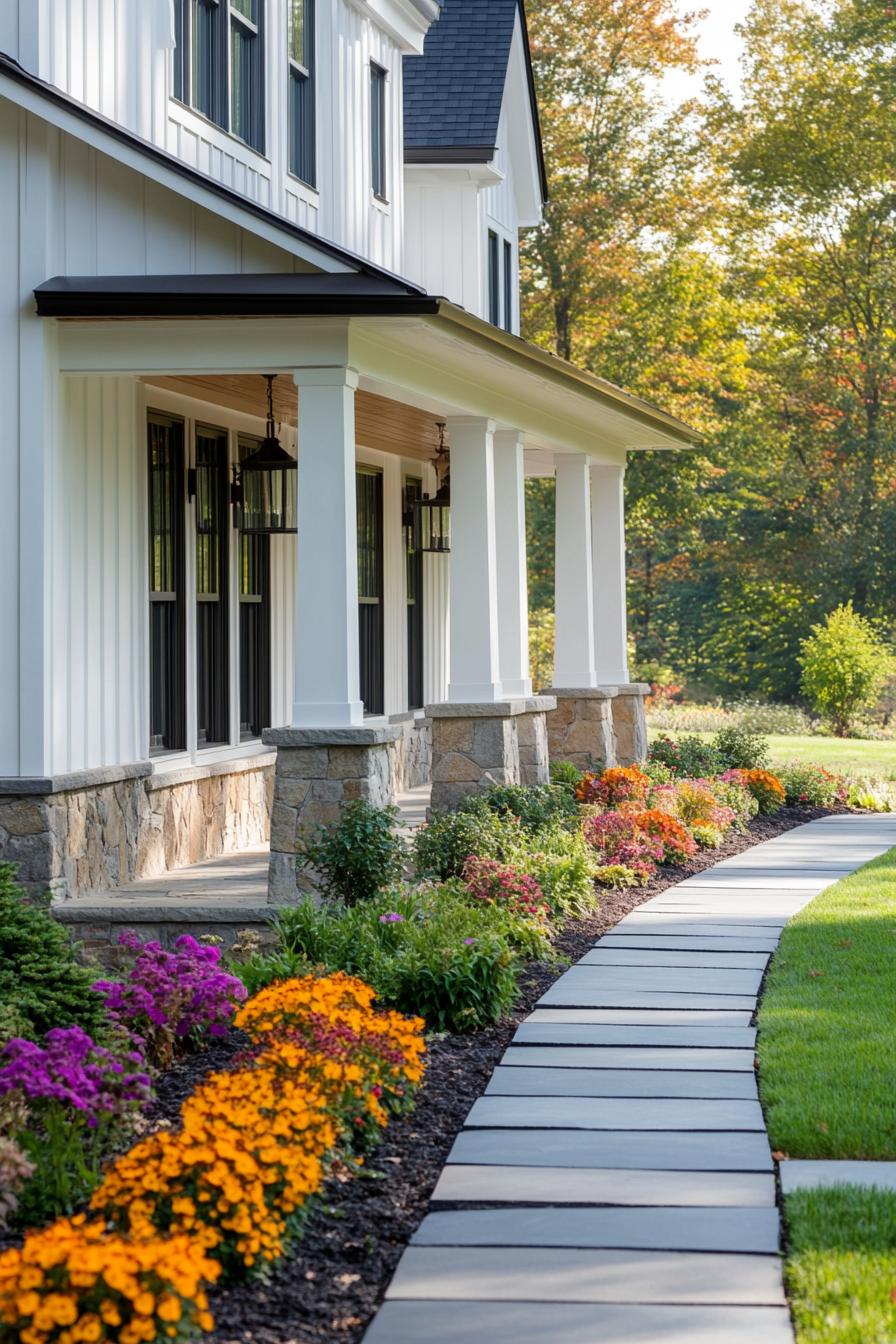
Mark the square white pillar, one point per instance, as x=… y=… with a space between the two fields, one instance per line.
x=573 y=592
x=474 y=669
x=326 y=680
x=610 y=601
x=510 y=541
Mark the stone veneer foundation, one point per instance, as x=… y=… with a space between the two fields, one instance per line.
x=318 y=771
x=86 y=833
x=475 y=746
x=580 y=729
x=630 y=723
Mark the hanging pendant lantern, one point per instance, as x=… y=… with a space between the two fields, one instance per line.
x=265 y=483
x=432 y=513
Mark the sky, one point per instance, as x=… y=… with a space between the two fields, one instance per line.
x=718 y=42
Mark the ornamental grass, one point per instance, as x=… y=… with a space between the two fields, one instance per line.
x=75 y=1283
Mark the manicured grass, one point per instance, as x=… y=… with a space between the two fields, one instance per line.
x=827 y=1062
x=841 y=1265
x=852 y=756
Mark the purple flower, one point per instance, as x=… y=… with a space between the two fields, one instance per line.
x=72 y=1070
x=469 y=941
x=392 y=918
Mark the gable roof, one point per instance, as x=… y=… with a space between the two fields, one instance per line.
x=453 y=94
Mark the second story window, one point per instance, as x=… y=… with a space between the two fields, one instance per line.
x=508 y=286
x=219 y=64
x=302 y=157
x=494 y=290
x=378 y=165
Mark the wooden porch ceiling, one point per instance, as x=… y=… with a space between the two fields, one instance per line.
x=380 y=423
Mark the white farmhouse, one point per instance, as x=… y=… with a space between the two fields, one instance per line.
x=259 y=281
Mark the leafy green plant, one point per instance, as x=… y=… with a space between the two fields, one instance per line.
x=40 y=976
x=425 y=950
x=738 y=749
x=811 y=784
x=566 y=775
x=689 y=755
x=845 y=665
x=563 y=867
x=536 y=805
x=442 y=847
x=707 y=835
x=358 y=856
x=619 y=876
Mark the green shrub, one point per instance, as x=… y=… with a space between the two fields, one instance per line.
x=619 y=876
x=728 y=793
x=442 y=847
x=40 y=976
x=563 y=866
x=536 y=805
x=657 y=772
x=738 y=749
x=425 y=950
x=707 y=835
x=260 y=969
x=845 y=666
x=811 y=784
x=358 y=856
x=689 y=756
x=566 y=775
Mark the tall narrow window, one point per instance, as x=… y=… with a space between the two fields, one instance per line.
x=247 y=72
x=219 y=63
x=508 y=286
x=302 y=155
x=255 y=625
x=413 y=490
x=369 y=489
x=212 y=532
x=378 y=168
x=494 y=292
x=167 y=666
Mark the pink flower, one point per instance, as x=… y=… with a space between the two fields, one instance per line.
x=392 y=918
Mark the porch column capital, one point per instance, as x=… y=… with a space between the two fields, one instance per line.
x=573 y=594
x=474 y=426
x=610 y=598
x=326 y=375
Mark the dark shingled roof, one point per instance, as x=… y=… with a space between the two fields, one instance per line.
x=453 y=93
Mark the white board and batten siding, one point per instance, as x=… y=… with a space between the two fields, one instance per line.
x=115 y=56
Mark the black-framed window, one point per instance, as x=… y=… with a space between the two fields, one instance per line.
x=219 y=63
x=255 y=624
x=508 y=286
x=494 y=292
x=378 y=156
x=413 y=490
x=369 y=494
x=212 y=611
x=302 y=128
x=167 y=531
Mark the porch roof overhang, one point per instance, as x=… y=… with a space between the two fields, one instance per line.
x=397 y=336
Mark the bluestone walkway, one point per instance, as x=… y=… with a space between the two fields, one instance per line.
x=615 y=1183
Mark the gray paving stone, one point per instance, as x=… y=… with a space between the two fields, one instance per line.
x=652 y=922
x=802 y=1174
x=570 y=995
x=615 y=1113
x=576 y=1033
x=549 y=1274
x=509 y=1184
x=603 y=955
x=507 y=1081
x=633 y=1057
x=664 y=980
x=569 y=1323
x=747 y=1231
x=660 y=1150
x=670 y=1017
x=683 y=943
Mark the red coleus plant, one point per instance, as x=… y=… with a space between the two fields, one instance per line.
x=497 y=883
x=616 y=839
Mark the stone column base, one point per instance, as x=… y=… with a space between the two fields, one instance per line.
x=318 y=771
x=476 y=746
x=630 y=723
x=580 y=729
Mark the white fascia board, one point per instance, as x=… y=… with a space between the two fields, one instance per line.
x=522 y=140
x=131 y=157
x=484 y=174
x=406 y=21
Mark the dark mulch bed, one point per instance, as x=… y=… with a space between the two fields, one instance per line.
x=330 y=1286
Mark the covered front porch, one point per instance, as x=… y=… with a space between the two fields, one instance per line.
x=384 y=666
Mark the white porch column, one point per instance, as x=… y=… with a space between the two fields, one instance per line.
x=474 y=671
x=573 y=595
x=326 y=687
x=510 y=538
x=608 y=549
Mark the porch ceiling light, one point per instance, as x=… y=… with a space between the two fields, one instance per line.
x=433 y=512
x=264 y=483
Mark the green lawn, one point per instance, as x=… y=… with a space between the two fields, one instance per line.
x=827 y=1062
x=841 y=1265
x=848 y=755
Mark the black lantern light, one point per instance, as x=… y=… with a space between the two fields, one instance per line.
x=264 y=484
x=433 y=512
